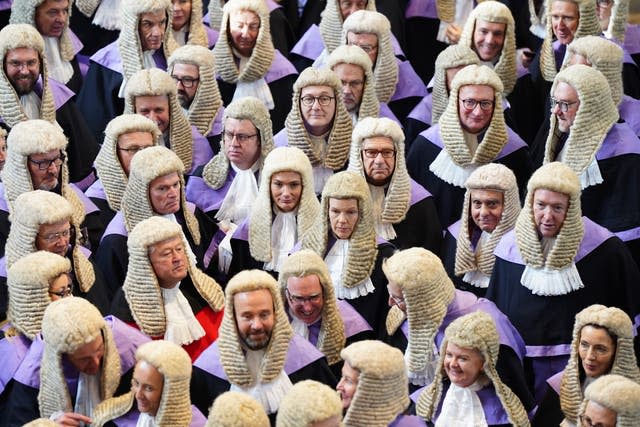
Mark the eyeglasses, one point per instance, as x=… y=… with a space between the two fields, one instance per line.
x=564 y=105
x=186 y=82
x=585 y=421
x=470 y=104
x=32 y=63
x=68 y=291
x=372 y=154
x=54 y=237
x=323 y=100
x=366 y=47
x=132 y=150
x=43 y=165
x=295 y=299
x=240 y=137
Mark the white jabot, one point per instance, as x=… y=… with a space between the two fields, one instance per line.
x=298 y=326
x=31 y=105
x=257 y=88
x=146 y=420
x=354 y=117
x=590 y=175
x=171 y=217
x=383 y=229
x=426 y=376
x=449 y=171
x=180 y=36
x=243 y=191
x=88 y=394
x=462 y=407
x=58 y=68
x=182 y=326
x=108 y=15
x=463 y=10
x=284 y=232
x=546 y=282
x=336 y=261
x=268 y=394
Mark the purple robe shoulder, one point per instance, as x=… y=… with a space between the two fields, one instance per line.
x=514 y=142
x=620 y=140
x=109 y=57
x=418 y=193
x=310 y=44
x=242 y=232
x=494 y=412
x=61 y=93
x=116 y=226
x=409 y=83
x=280 y=68
x=202 y=152
x=272 y=5
x=126 y=338
x=454 y=229
x=629 y=110
x=205 y=197
x=554 y=381
x=212 y=35
x=353 y=321
x=421 y=9
x=408 y=421
x=3 y=266
x=75 y=42
x=130 y=419
x=216 y=128
x=300 y=354
x=4 y=205
x=594 y=236
x=12 y=352
x=385 y=111
x=89 y=206
x=96 y=190
x=632 y=38
x=281 y=139
x=423 y=111
x=5 y=4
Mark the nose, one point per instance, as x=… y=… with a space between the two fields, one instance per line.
x=155 y=31
x=256 y=324
x=390 y=301
x=340 y=385
x=484 y=211
x=307 y=305
x=138 y=393
x=245 y=31
x=591 y=355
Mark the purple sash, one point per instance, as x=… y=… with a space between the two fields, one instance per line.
x=514 y=142
x=632 y=38
x=310 y=45
x=554 y=381
x=281 y=139
x=202 y=152
x=409 y=83
x=421 y=9
x=280 y=68
x=423 y=111
x=96 y=190
x=620 y=140
x=205 y=197
x=116 y=226
x=629 y=110
x=385 y=111
x=109 y=57
x=354 y=323
x=12 y=351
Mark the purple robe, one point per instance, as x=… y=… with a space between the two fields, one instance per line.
x=421 y=9
x=130 y=419
x=12 y=351
x=629 y=110
x=632 y=39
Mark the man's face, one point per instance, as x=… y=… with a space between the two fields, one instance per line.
x=255 y=317
x=318 y=119
x=164 y=193
x=151 y=28
x=565 y=93
x=348 y=384
x=88 y=357
x=147 y=384
x=565 y=17
x=51 y=16
x=181 y=13
x=352 y=78
x=305 y=298
x=286 y=189
x=22 y=67
x=47 y=178
x=347 y=7
x=155 y=108
x=129 y=144
x=486 y=208
x=396 y=297
x=603 y=9
x=488 y=39
x=169 y=261
x=54 y=237
x=463 y=365
x=343 y=216
x=241 y=142
x=475 y=120
x=244 y=27
x=549 y=211
x=365 y=41
x=598 y=415
x=187 y=78
x=378 y=159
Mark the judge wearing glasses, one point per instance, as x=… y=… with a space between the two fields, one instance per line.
x=471 y=132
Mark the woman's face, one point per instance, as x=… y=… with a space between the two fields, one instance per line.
x=463 y=365
x=597 y=350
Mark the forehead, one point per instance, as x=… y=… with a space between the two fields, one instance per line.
x=152 y=101
x=244 y=16
x=136 y=137
x=316 y=90
x=260 y=299
x=485 y=194
x=304 y=285
x=153 y=16
x=362 y=38
x=45 y=228
x=380 y=142
x=145 y=372
x=286 y=176
x=343 y=203
x=171 y=242
x=549 y=195
x=51 y=154
x=22 y=54
x=476 y=92
x=491 y=26
x=564 y=91
x=349 y=371
x=169 y=178
x=186 y=70
x=90 y=348
x=239 y=124
x=48 y=4
x=565 y=7
x=462 y=351
x=348 y=70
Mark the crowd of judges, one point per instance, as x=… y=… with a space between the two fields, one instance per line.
x=319 y=213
